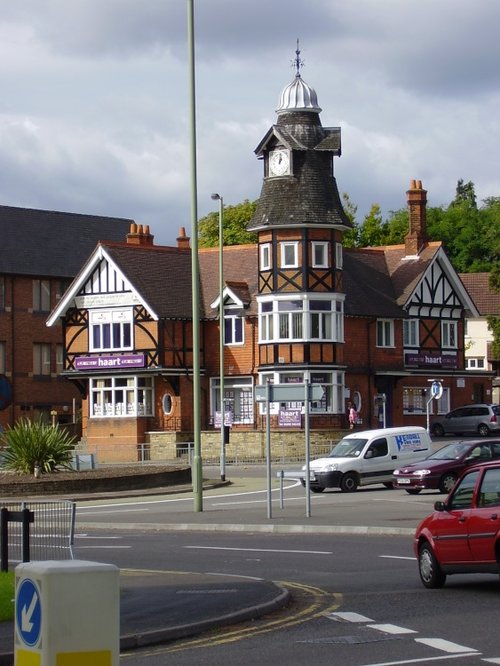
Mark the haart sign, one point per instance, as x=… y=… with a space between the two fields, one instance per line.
x=124 y=361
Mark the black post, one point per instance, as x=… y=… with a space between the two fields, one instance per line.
x=26 y=534
x=4 y=539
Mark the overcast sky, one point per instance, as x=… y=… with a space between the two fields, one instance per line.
x=95 y=100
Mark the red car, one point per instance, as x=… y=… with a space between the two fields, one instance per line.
x=462 y=535
x=441 y=469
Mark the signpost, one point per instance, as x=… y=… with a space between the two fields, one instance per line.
x=305 y=393
x=436 y=393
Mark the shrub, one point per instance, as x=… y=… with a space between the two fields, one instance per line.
x=35 y=443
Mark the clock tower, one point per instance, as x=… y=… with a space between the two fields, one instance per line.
x=300 y=222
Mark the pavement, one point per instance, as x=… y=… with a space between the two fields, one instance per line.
x=161 y=606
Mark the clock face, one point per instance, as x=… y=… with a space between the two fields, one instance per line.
x=279 y=162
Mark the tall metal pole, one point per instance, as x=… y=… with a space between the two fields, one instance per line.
x=197 y=468
x=216 y=197
x=308 y=446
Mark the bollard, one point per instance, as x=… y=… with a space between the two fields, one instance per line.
x=67 y=613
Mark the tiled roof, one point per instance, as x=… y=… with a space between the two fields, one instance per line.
x=240 y=266
x=52 y=243
x=161 y=275
x=477 y=284
x=407 y=272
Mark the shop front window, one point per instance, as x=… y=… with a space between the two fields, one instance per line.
x=121 y=396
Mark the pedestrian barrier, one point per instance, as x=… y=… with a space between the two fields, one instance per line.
x=51 y=531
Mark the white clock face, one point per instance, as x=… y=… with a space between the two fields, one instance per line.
x=279 y=162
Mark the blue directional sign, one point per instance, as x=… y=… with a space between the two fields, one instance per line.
x=28 y=612
x=436 y=389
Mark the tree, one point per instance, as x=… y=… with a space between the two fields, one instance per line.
x=372 y=231
x=235 y=220
x=351 y=237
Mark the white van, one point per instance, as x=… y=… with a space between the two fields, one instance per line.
x=367 y=457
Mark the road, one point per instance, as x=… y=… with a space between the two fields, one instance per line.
x=357 y=598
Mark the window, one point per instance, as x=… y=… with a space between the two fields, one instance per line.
x=233 y=330
x=339 y=256
x=265 y=257
x=289 y=254
x=410 y=332
x=2 y=292
x=238 y=399
x=385 y=333
x=290 y=320
x=59 y=359
x=121 y=396
x=377 y=449
x=62 y=286
x=110 y=330
x=449 y=334
x=2 y=358
x=332 y=383
x=489 y=493
x=41 y=295
x=462 y=497
x=319 y=254
x=415 y=400
x=302 y=319
x=475 y=363
x=41 y=359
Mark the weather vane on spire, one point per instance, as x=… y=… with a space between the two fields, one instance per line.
x=298 y=62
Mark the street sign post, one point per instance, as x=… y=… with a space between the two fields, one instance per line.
x=436 y=392
x=305 y=393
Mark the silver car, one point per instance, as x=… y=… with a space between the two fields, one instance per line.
x=482 y=419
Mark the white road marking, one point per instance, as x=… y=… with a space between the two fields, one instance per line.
x=349 y=617
x=421 y=660
x=445 y=646
x=392 y=629
x=397 y=557
x=262 y=550
x=495 y=660
x=103 y=547
x=89 y=536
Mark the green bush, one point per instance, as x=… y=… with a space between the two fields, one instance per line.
x=35 y=443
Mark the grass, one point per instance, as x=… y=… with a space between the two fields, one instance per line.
x=7 y=594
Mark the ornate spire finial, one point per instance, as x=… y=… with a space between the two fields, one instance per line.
x=298 y=62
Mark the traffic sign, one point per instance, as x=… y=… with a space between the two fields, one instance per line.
x=436 y=389
x=28 y=612
x=288 y=392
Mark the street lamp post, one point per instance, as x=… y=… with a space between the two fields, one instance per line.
x=217 y=197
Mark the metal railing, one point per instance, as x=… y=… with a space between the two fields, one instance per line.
x=51 y=534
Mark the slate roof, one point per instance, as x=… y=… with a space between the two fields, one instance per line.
x=477 y=284
x=52 y=243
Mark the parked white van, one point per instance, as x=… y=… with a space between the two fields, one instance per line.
x=367 y=457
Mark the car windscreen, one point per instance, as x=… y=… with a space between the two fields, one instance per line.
x=451 y=452
x=349 y=447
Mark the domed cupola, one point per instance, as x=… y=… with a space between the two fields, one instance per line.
x=298 y=96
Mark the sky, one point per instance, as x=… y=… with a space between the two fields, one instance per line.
x=94 y=110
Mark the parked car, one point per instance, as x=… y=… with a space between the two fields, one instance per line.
x=462 y=535
x=482 y=419
x=441 y=469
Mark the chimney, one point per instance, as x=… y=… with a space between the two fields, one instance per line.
x=182 y=240
x=139 y=235
x=416 y=237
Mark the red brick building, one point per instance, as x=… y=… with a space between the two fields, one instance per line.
x=40 y=253
x=374 y=326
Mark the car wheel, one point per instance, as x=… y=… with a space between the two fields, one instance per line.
x=413 y=491
x=429 y=569
x=446 y=483
x=483 y=430
x=316 y=489
x=438 y=430
x=349 y=483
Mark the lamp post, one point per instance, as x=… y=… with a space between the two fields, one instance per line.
x=217 y=197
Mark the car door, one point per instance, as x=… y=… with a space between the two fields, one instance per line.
x=455 y=420
x=450 y=531
x=484 y=519
x=377 y=464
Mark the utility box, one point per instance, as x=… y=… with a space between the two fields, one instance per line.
x=67 y=614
